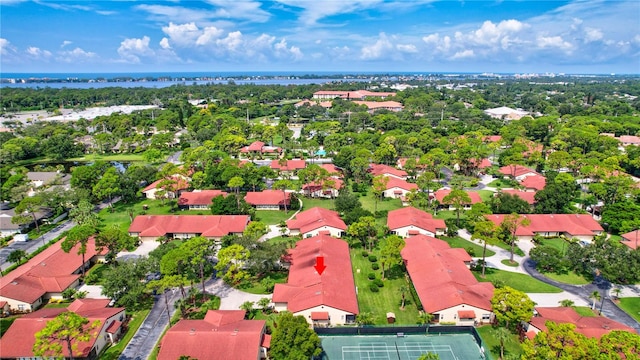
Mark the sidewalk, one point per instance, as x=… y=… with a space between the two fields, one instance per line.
x=495 y=261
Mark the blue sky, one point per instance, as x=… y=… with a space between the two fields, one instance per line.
x=320 y=35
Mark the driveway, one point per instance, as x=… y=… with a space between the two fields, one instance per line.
x=230 y=298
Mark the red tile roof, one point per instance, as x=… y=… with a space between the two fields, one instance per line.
x=306 y=289
x=374 y=105
x=315 y=218
x=357 y=94
x=528 y=196
x=516 y=170
x=259 y=146
x=319 y=315
x=572 y=224
x=317 y=186
x=332 y=169
x=492 y=138
x=399 y=183
x=51 y=271
x=222 y=334
x=593 y=327
x=482 y=163
x=255 y=146
x=179 y=184
x=536 y=182
x=631 y=238
x=440 y=276
x=18 y=341
x=629 y=139
x=466 y=314
x=207 y=225
x=268 y=197
x=409 y=216
x=199 y=197
x=442 y=193
x=292 y=165
x=381 y=169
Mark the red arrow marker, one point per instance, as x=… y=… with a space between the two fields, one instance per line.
x=320 y=265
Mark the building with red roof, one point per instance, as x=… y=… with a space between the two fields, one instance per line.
x=176 y=184
x=397 y=188
x=221 y=335
x=350 y=95
x=328 y=298
x=316 y=220
x=198 y=199
x=45 y=276
x=410 y=221
x=291 y=166
x=446 y=287
x=386 y=170
x=627 y=140
x=18 y=341
x=534 y=183
x=268 y=199
x=580 y=226
x=332 y=169
x=440 y=194
x=492 y=138
x=329 y=188
x=631 y=239
x=258 y=147
x=381 y=105
x=589 y=326
x=517 y=172
x=151 y=227
x=528 y=196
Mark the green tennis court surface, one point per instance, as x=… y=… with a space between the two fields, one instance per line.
x=405 y=347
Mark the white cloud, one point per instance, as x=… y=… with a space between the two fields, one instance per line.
x=38 y=54
x=592 y=35
x=164 y=43
x=282 y=51
x=76 y=55
x=463 y=54
x=209 y=35
x=243 y=9
x=313 y=11
x=407 y=48
x=490 y=34
x=554 y=42
x=380 y=48
x=182 y=35
x=230 y=43
x=5 y=47
x=131 y=50
x=65 y=43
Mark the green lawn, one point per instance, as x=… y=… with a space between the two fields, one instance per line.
x=557 y=243
x=505 y=246
x=114 y=352
x=56 y=305
x=511 y=347
x=485 y=195
x=386 y=204
x=458 y=242
x=5 y=323
x=273 y=217
x=308 y=203
x=289 y=240
x=388 y=299
x=584 y=311
x=631 y=305
x=517 y=281
x=120 y=214
x=502 y=183
x=109 y=157
x=255 y=286
x=509 y=263
x=447 y=214
x=568 y=278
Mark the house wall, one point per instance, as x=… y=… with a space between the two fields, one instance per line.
x=390 y=193
x=336 y=316
x=332 y=231
x=199 y=207
x=17 y=305
x=103 y=337
x=267 y=207
x=450 y=315
x=404 y=231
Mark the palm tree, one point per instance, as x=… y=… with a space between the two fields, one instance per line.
x=595 y=295
x=424 y=318
x=504 y=337
x=403 y=289
x=248 y=307
x=617 y=292
x=566 y=303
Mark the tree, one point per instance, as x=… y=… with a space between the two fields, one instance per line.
x=264 y=304
x=458 y=198
x=424 y=318
x=426 y=184
x=199 y=249
x=255 y=230
x=346 y=201
x=566 y=303
x=510 y=224
x=236 y=183
x=560 y=341
x=486 y=231
x=230 y=260
x=283 y=185
x=511 y=306
x=248 y=307
x=620 y=342
x=364 y=230
x=78 y=235
x=556 y=197
x=16 y=256
x=595 y=295
x=379 y=184
x=27 y=209
x=67 y=329
x=83 y=214
x=125 y=282
x=293 y=339
x=505 y=203
x=390 y=254
x=503 y=335
x=115 y=240
x=107 y=186
x=364 y=318
x=164 y=284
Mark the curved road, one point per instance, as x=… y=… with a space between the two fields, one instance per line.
x=607 y=307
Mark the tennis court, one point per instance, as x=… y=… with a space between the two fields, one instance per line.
x=400 y=347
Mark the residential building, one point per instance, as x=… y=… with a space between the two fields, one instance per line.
x=46 y=276
x=580 y=226
x=446 y=287
x=351 y=95
x=18 y=341
x=381 y=105
x=324 y=299
x=316 y=220
x=533 y=183
x=8 y=228
x=631 y=239
x=175 y=186
x=268 y=199
x=198 y=199
x=386 y=170
x=440 y=194
x=589 y=326
x=506 y=113
x=329 y=188
x=410 y=221
x=627 y=140
x=258 y=147
x=151 y=227
x=517 y=172
x=221 y=335
x=397 y=188
x=289 y=167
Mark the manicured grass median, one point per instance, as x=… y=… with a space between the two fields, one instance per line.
x=568 y=278
x=273 y=217
x=517 y=281
x=458 y=242
x=388 y=298
x=631 y=305
x=510 y=347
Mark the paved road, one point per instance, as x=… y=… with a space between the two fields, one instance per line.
x=608 y=307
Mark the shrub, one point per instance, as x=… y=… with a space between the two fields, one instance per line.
x=375 y=266
x=365 y=253
x=374 y=288
x=378 y=283
x=471 y=251
x=371 y=276
x=373 y=258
